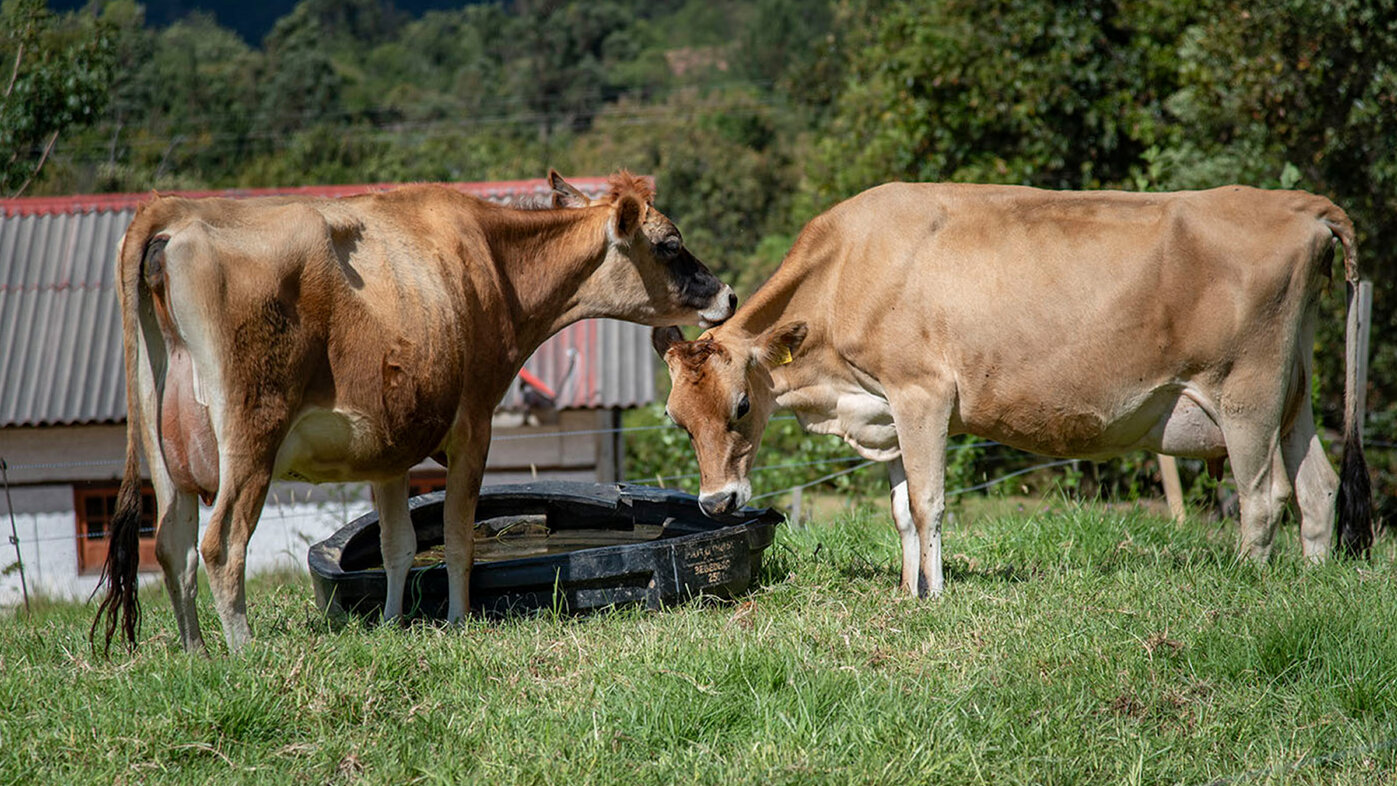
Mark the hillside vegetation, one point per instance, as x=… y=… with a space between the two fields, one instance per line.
x=752 y=116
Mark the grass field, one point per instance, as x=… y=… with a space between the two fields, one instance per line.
x=1075 y=644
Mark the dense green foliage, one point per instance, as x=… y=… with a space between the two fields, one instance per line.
x=1075 y=645
x=55 y=78
x=755 y=115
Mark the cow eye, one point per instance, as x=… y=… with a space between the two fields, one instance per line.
x=671 y=246
x=744 y=405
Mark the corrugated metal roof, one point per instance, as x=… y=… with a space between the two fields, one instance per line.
x=60 y=329
x=614 y=366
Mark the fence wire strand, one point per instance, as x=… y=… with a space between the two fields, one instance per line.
x=661 y=479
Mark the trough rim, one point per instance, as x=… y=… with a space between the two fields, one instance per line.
x=324 y=555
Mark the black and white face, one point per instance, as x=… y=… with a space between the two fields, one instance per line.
x=695 y=295
x=650 y=274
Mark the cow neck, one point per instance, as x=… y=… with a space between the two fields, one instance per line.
x=789 y=295
x=793 y=293
x=544 y=257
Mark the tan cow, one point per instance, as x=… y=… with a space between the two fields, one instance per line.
x=347 y=339
x=1074 y=324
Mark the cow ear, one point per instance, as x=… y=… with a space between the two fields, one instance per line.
x=564 y=195
x=662 y=338
x=777 y=346
x=626 y=219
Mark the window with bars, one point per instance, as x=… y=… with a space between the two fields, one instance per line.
x=95 y=504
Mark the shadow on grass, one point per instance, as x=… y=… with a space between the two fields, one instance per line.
x=962 y=569
x=853 y=564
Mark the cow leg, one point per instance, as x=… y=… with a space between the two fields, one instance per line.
x=176 y=538
x=922 y=419
x=464 y=472
x=906 y=527
x=177 y=512
x=241 y=493
x=458 y=531
x=1262 y=484
x=177 y=523
x=397 y=540
x=1316 y=485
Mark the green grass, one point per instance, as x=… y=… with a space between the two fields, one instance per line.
x=1075 y=644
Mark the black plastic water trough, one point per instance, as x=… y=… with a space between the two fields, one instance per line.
x=574 y=547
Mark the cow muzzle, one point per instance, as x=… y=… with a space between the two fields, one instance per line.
x=725 y=501
x=719 y=309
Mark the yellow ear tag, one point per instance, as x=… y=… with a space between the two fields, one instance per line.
x=785 y=356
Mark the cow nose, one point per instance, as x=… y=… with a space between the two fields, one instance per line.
x=719 y=308
x=718 y=503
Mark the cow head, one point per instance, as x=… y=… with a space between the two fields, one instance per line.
x=722 y=394
x=648 y=276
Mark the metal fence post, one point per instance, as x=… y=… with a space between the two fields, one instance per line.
x=14 y=533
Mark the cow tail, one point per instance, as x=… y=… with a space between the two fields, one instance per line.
x=120 y=606
x=1354 y=529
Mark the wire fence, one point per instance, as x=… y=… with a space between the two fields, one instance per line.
x=439 y=119
x=859 y=463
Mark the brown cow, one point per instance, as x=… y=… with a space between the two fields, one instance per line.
x=347 y=339
x=1071 y=324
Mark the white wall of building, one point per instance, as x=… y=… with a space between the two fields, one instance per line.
x=47 y=529
x=296 y=515
x=44 y=462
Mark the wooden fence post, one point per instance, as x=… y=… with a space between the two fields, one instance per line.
x=1365 y=324
x=1173 y=488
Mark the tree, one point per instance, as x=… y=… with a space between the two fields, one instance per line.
x=1063 y=95
x=302 y=86
x=788 y=44
x=558 y=75
x=59 y=70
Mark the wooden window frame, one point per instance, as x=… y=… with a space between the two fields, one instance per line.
x=94 y=504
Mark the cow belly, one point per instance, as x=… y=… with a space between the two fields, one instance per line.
x=862 y=418
x=334 y=446
x=1168 y=419
x=186 y=434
